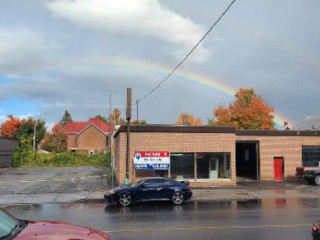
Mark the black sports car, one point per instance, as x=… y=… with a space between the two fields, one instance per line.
x=316 y=230
x=151 y=189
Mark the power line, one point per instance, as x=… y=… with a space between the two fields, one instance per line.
x=186 y=57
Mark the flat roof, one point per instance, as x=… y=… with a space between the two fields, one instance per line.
x=165 y=128
x=306 y=133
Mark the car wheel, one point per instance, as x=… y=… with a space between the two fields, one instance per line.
x=177 y=198
x=125 y=199
x=317 y=180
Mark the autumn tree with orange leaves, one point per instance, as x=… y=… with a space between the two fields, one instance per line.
x=248 y=111
x=138 y=121
x=56 y=141
x=115 y=117
x=10 y=127
x=188 y=119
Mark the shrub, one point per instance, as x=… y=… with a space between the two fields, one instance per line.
x=23 y=153
x=26 y=158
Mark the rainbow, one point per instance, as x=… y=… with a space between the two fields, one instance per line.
x=149 y=66
x=190 y=76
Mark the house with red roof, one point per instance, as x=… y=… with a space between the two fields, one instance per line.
x=89 y=137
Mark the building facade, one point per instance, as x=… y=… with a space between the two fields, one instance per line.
x=90 y=137
x=278 y=153
x=215 y=156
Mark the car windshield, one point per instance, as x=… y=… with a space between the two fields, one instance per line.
x=7 y=223
x=137 y=183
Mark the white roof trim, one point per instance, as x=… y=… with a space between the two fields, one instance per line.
x=105 y=133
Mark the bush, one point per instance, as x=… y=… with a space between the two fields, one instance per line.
x=23 y=153
x=25 y=157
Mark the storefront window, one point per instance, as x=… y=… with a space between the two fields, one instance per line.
x=208 y=166
x=310 y=156
x=213 y=165
x=182 y=165
x=161 y=173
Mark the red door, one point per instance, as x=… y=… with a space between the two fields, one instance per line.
x=278 y=168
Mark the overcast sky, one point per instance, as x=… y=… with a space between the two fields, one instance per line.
x=58 y=55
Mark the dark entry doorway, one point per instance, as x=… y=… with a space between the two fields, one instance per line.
x=247 y=160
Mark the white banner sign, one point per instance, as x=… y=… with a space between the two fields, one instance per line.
x=151 y=161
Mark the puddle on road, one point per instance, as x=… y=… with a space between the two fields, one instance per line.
x=101 y=215
x=64 y=208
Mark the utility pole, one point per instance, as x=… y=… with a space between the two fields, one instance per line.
x=34 y=135
x=128 y=116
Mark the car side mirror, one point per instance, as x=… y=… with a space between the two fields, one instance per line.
x=142 y=185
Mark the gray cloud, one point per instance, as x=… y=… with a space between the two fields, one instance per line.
x=72 y=59
x=310 y=122
x=142 y=17
x=21 y=51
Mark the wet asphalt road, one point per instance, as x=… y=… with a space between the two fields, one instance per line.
x=248 y=220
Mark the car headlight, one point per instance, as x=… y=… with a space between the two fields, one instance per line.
x=111 y=192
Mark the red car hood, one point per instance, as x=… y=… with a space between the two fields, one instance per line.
x=49 y=230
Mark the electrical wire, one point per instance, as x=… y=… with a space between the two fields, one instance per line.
x=186 y=57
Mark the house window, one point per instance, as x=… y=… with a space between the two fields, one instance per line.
x=310 y=156
x=182 y=165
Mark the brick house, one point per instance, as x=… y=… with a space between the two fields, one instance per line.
x=217 y=156
x=88 y=137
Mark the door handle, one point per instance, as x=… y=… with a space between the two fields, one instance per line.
x=159 y=188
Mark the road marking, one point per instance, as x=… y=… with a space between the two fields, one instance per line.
x=56 y=179
x=203 y=228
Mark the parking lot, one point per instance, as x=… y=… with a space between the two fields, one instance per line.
x=45 y=185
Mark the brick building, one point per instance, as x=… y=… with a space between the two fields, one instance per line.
x=215 y=156
x=88 y=137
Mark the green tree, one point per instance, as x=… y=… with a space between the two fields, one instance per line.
x=102 y=118
x=23 y=153
x=23 y=130
x=26 y=130
x=65 y=118
x=248 y=111
x=211 y=122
